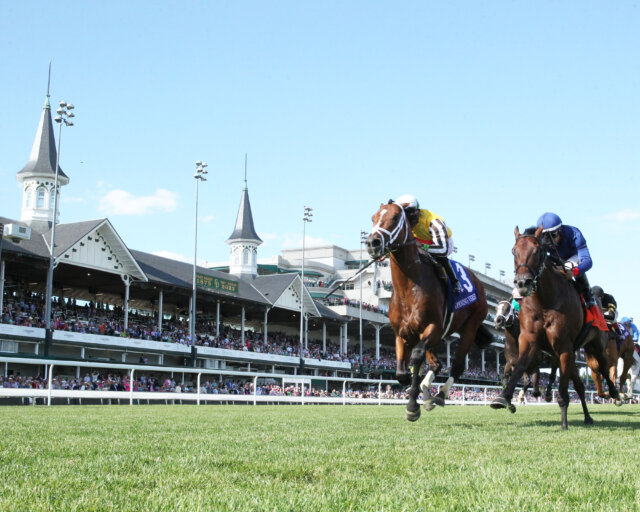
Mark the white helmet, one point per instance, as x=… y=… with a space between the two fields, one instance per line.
x=407 y=201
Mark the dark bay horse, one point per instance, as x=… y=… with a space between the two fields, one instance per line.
x=509 y=320
x=612 y=353
x=551 y=318
x=418 y=309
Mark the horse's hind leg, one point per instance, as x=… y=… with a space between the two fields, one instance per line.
x=536 y=383
x=434 y=366
x=417 y=359
x=548 y=395
x=525 y=388
x=402 y=362
x=566 y=359
x=592 y=363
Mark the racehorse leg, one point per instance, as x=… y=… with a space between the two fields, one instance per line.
x=402 y=362
x=417 y=359
x=525 y=387
x=579 y=387
x=592 y=363
x=425 y=387
x=593 y=348
x=548 y=395
x=624 y=375
x=563 y=386
x=504 y=400
x=536 y=383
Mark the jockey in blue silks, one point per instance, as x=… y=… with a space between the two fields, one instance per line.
x=628 y=323
x=572 y=248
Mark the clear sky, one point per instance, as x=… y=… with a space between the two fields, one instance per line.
x=491 y=113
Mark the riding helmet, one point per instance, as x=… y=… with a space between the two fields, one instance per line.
x=550 y=222
x=407 y=201
x=597 y=291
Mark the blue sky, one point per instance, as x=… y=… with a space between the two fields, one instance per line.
x=491 y=113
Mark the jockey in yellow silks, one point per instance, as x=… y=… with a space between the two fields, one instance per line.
x=432 y=233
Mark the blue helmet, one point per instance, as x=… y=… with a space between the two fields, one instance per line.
x=550 y=222
x=625 y=320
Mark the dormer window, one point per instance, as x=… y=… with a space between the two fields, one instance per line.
x=28 y=198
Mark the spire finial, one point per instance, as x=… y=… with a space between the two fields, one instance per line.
x=245 y=171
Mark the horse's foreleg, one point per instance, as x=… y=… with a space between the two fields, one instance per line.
x=402 y=361
x=592 y=363
x=563 y=385
x=548 y=395
x=579 y=387
x=595 y=350
x=526 y=384
x=536 y=383
x=624 y=375
x=526 y=352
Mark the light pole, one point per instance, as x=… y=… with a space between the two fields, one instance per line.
x=306 y=217
x=363 y=238
x=471 y=258
x=487 y=266
x=502 y=274
x=64 y=117
x=201 y=170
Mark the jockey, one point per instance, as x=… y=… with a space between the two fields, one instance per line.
x=609 y=305
x=432 y=234
x=572 y=248
x=628 y=323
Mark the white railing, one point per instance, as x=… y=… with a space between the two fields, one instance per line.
x=303 y=381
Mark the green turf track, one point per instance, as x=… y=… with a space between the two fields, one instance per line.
x=144 y=458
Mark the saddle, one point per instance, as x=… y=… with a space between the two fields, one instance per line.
x=425 y=257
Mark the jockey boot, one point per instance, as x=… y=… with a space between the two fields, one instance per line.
x=582 y=283
x=446 y=264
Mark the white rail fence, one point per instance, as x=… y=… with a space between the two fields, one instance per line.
x=303 y=382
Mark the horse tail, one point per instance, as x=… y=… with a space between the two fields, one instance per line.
x=484 y=338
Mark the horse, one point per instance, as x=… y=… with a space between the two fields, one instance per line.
x=632 y=375
x=418 y=309
x=551 y=318
x=613 y=352
x=509 y=320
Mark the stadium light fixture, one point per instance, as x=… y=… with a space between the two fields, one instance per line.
x=201 y=170
x=306 y=217
x=62 y=118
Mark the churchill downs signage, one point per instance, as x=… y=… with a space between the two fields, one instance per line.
x=216 y=284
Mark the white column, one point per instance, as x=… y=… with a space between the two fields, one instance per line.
x=324 y=337
x=346 y=338
x=160 y=306
x=448 y=353
x=1 y=286
x=482 y=354
x=6 y=368
x=242 y=334
x=497 y=361
x=218 y=319
x=306 y=332
x=83 y=353
x=126 y=301
x=266 y=328
x=340 y=340
x=77 y=372
x=124 y=357
x=466 y=362
x=377 y=327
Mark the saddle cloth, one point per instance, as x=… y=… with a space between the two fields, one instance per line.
x=594 y=315
x=468 y=295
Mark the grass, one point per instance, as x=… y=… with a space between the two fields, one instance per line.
x=293 y=458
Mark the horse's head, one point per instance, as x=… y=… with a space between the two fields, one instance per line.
x=391 y=230
x=504 y=314
x=528 y=258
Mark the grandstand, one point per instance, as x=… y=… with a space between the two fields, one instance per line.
x=113 y=304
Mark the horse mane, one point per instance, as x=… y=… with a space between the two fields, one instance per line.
x=531 y=230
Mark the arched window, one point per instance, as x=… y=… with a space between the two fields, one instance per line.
x=245 y=257
x=235 y=256
x=40 y=198
x=28 y=198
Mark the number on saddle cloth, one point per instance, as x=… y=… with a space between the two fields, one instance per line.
x=467 y=296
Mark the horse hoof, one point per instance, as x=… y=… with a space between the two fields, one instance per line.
x=429 y=406
x=548 y=398
x=537 y=394
x=588 y=420
x=499 y=403
x=439 y=399
x=412 y=415
x=512 y=408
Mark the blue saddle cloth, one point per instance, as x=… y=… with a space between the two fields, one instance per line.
x=468 y=295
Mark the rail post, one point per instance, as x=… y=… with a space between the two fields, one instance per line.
x=131 y=386
x=198 y=399
x=344 y=393
x=255 y=389
x=49 y=386
x=379 y=393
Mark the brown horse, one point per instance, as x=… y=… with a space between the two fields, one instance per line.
x=612 y=354
x=551 y=318
x=508 y=319
x=418 y=309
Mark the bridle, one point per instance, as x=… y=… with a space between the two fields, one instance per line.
x=511 y=316
x=537 y=272
x=394 y=233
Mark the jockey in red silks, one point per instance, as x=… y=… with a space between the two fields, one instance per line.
x=432 y=233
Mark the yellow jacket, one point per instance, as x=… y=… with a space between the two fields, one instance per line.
x=421 y=229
